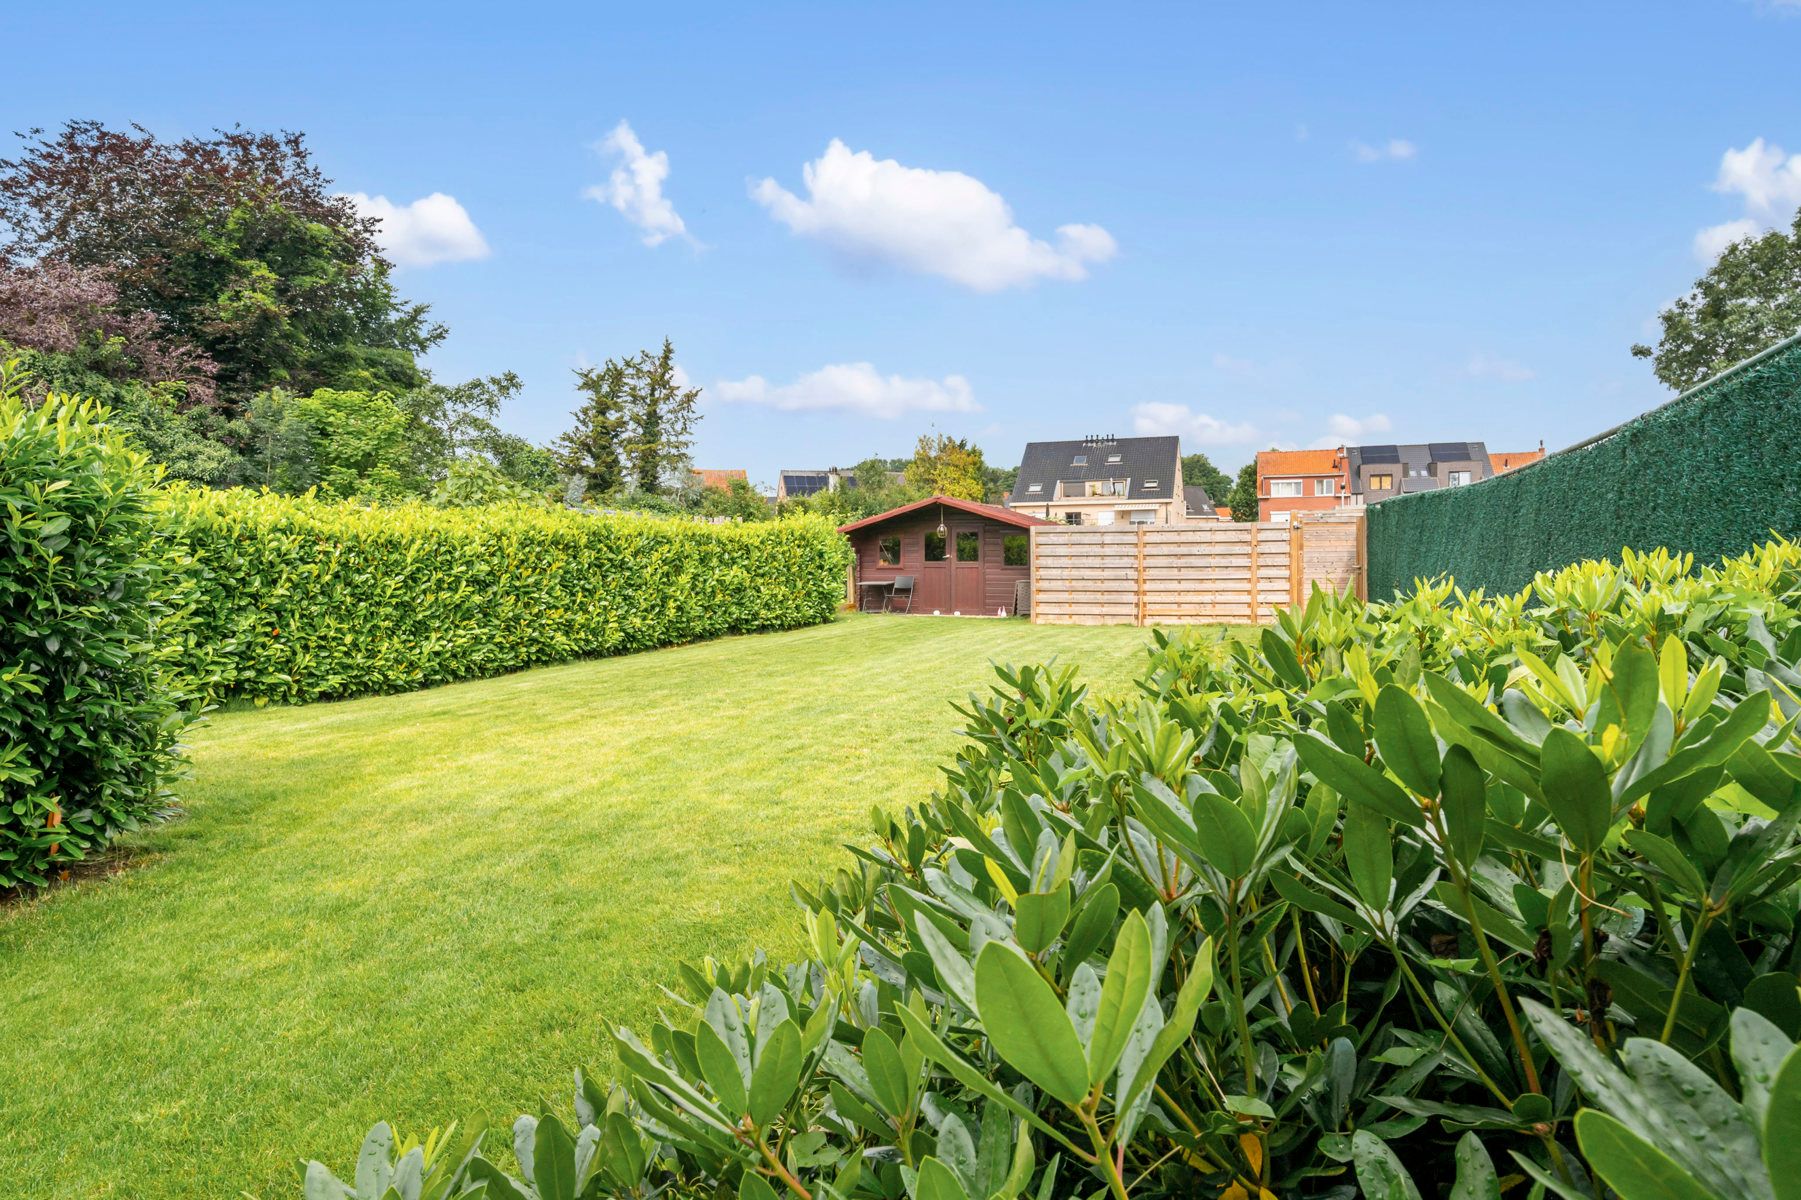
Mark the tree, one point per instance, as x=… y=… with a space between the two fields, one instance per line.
x=1198 y=471
x=236 y=243
x=347 y=444
x=881 y=484
x=997 y=482
x=736 y=499
x=662 y=416
x=1748 y=300
x=1243 y=496
x=454 y=422
x=591 y=451
x=947 y=466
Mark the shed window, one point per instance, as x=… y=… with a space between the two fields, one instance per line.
x=969 y=547
x=888 y=551
x=1016 y=549
x=934 y=547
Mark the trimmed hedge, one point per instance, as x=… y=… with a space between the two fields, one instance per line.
x=1713 y=473
x=299 y=599
x=91 y=708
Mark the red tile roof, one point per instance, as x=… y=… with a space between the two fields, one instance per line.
x=1299 y=462
x=719 y=477
x=1513 y=460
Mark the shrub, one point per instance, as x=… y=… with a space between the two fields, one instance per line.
x=298 y=599
x=1338 y=915
x=89 y=706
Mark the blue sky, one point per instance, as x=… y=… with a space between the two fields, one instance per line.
x=1250 y=225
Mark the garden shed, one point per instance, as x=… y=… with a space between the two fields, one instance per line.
x=960 y=556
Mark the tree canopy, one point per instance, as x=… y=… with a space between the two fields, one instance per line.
x=1198 y=471
x=1748 y=300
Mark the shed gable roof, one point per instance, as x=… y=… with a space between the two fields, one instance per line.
x=992 y=512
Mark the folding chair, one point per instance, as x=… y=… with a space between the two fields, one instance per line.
x=902 y=584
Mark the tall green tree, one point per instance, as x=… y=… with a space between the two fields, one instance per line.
x=236 y=242
x=1198 y=471
x=661 y=415
x=1243 y=496
x=592 y=450
x=947 y=466
x=1748 y=300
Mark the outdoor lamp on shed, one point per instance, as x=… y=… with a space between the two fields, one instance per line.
x=941 y=520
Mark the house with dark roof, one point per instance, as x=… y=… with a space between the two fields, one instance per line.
x=799 y=484
x=1377 y=472
x=1102 y=480
x=1200 y=505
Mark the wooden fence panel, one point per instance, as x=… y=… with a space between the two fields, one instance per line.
x=1204 y=572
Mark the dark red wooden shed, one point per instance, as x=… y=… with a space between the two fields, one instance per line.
x=965 y=557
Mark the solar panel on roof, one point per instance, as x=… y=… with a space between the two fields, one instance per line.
x=1448 y=451
x=1381 y=454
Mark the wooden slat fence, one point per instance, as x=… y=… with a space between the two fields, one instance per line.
x=1189 y=574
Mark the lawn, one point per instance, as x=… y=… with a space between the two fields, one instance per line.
x=431 y=906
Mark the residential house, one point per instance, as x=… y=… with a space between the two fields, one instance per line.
x=1102 y=480
x=1512 y=460
x=1379 y=472
x=798 y=485
x=1200 y=505
x=1292 y=481
x=719 y=478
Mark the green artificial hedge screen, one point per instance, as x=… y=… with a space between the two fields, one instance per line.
x=1712 y=473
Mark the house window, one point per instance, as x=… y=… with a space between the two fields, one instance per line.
x=1151 y=484
x=1458 y=478
x=1072 y=518
x=1142 y=516
x=888 y=552
x=1322 y=487
x=969 y=547
x=1112 y=458
x=1034 y=488
x=1381 y=483
x=1107 y=487
x=1284 y=487
x=1080 y=460
x=934 y=547
x=1016 y=549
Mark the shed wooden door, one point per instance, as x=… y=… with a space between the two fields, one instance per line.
x=968 y=560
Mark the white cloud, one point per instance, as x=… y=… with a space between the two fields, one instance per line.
x=1160 y=418
x=854 y=388
x=1488 y=366
x=1342 y=429
x=1768 y=181
x=432 y=229
x=941 y=223
x=1393 y=150
x=636 y=187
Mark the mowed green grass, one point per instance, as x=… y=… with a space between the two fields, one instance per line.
x=433 y=906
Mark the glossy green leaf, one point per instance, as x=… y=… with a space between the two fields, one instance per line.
x=776 y=1075
x=1576 y=790
x=1369 y=855
x=1632 y=1166
x=1356 y=780
x=1463 y=799
x=1039 y=918
x=1404 y=736
x=1026 y=1025
x=1227 y=840
x=1123 y=994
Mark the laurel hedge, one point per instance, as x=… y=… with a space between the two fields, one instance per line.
x=1713 y=473
x=91 y=704
x=298 y=599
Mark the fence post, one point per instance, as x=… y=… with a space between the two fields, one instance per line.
x=1362 y=569
x=1032 y=556
x=1256 y=584
x=1138 y=607
x=1297 y=560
